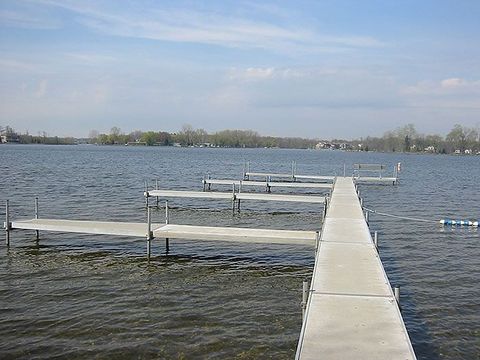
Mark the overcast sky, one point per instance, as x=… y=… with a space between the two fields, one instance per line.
x=300 y=68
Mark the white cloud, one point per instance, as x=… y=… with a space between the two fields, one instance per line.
x=452 y=83
x=213 y=28
x=449 y=86
x=41 y=89
x=263 y=73
x=90 y=58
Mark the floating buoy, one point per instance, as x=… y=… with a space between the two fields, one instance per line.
x=448 y=222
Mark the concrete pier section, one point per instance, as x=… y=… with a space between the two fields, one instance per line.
x=352 y=312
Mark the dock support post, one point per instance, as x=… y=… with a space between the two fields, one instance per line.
x=325 y=207
x=149 y=233
x=7 y=223
x=37 y=233
x=156 y=188
x=268 y=184
x=375 y=240
x=304 y=297
x=396 y=292
x=204 y=183
x=366 y=216
x=209 y=184
x=233 y=198
x=167 y=221
x=361 y=203
x=146 y=194
x=317 y=240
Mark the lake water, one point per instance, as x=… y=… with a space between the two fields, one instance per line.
x=82 y=296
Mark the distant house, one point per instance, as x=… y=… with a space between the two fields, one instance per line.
x=457 y=151
x=468 y=152
x=430 y=149
x=7 y=135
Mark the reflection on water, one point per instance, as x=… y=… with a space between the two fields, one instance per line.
x=80 y=296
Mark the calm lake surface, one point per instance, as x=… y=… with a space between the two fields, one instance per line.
x=83 y=296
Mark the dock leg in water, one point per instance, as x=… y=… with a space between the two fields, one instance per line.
x=37 y=233
x=167 y=221
x=396 y=292
x=7 y=224
x=149 y=234
x=304 y=297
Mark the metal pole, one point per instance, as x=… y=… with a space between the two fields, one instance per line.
x=304 y=297
x=209 y=184
x=149 y=234
x=233 y=198
x=366 y=216
x=293 y=170
x=37 y=233
x=7 y=223
x=325 y=207
x=204 y=183
x=156 y=188
x=361 y=202
x=375 y=239
x=167 y=221
x=396 y=292
x=146 y=194
x=317 y=240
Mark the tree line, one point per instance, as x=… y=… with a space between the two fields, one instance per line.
x=461 y=139
x=188 y=136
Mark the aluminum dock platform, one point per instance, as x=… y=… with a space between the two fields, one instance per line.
x=352 y=312
x=169 y=231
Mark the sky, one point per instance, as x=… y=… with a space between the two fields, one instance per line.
x=316 y=69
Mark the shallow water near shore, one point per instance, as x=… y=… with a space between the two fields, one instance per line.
x=83 y=296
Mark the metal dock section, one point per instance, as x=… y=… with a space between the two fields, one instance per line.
x=169 y=231
x=268 y=184
x=236 y=196
x=352 y=311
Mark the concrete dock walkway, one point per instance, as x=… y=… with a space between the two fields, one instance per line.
x=351 y=312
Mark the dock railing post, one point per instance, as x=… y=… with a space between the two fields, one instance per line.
x=396 y=292
x=366 y=216
x=146 y=194
x=156 y=188
x=149 y=233
x=375 y=239
x=317 y=240
x=7 y=223
x=233 y=198
x=209 y=184
x=304 y=297
x=37 y=233
x=167 y=221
